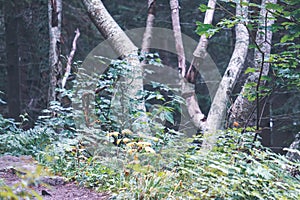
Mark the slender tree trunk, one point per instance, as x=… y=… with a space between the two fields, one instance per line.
x=178 y=37
x=217 y=113
x=243 y=111
x=12 y=56
x=149 y=26
x=55 y=17
x=200 y=55
x=188 y=91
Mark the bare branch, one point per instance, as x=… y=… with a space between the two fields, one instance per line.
x=70 y=58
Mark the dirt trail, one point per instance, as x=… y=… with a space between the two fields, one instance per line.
x=49 y=188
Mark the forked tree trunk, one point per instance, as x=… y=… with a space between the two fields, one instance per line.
x=188 y=89
x=243 y=111
x=55 y=17
x=217 y=112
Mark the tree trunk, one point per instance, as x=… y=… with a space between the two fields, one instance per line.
x=201 y=60
x=188 y=91
x=188 y=88
x=243 y=111
x=12 y=56
x=217 y=113
x=55 y=17
x=149 y=26
x=124 y=48
x=177 y=35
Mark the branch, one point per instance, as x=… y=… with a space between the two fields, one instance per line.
x=70 y=58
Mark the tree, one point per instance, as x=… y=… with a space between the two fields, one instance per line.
x=55 y=19
x=217 y=113
x=124 y=47
x=12 y=55
x=149 y=25
x=220 y=91
x=243 y=111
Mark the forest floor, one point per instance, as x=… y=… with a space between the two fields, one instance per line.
x=48 y=187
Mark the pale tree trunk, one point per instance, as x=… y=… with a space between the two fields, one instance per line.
x=201 y=58
x=200 y=54
x=188 y=91
x=178 y=37
x=244 y=112
x=123 y=46
x=217 y=113
x=149 y=26
x=55 y=17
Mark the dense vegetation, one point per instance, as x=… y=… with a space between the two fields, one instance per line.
x=161 y=163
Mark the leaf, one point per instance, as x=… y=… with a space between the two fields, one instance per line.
x=149 y=150
x=286 y=38
x=250 y=70
x=203 y=7
x=273 y=6
x=265 y=78
x=169 y=117
x=206 y=29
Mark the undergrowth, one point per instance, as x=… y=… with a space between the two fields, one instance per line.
x=110 y=154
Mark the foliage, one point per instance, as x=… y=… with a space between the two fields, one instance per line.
x=109 y=155
x=15 y=141
x=235 y=169
x=23 y=188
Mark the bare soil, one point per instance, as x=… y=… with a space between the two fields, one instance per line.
x=48 y=187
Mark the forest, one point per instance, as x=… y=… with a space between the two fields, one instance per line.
x=153 y=99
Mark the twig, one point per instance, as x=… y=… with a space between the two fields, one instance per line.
x=70 y=58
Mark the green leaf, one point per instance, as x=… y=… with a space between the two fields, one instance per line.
x=265 y=78
x=169 y=117
x=250 y=70
x=203 y=7
x=206 y=29
x=275 y=7
x=286 y=38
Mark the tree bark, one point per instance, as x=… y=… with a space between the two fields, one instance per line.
x=188 y=87
x=177 y=35
x=188 y=91
x=125 y=48
x=201 y=57
x=149 y=26
x=108 y=27
x=55 y=17
x=12 y=56
x=217 y=113
x=244 y=111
